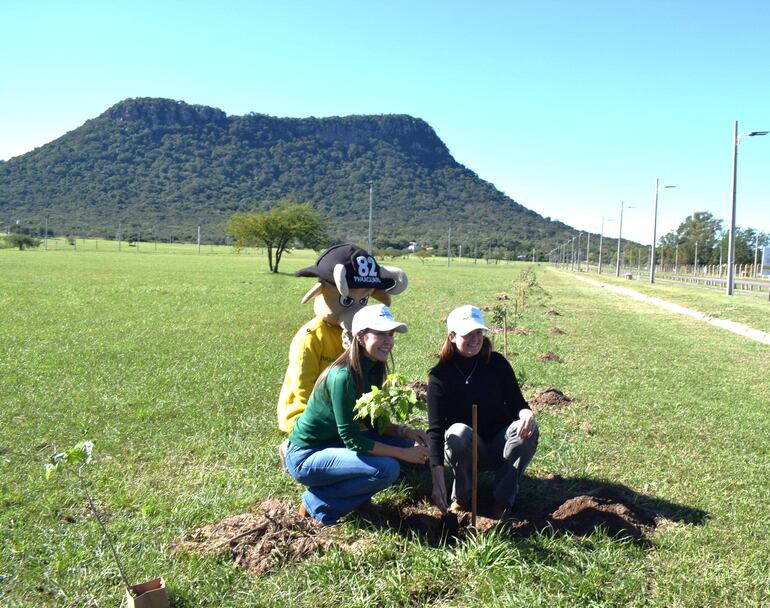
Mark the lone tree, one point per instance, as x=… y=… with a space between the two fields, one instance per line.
x=278 y=229
x=22 y=241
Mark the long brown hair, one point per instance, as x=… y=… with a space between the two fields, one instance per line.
x=449 y=350
x=351 y=359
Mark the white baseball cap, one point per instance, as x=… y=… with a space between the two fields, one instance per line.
x=378 y=318
x=465 y=319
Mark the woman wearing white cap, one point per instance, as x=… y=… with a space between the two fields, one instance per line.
x=469 y=372
x=341 y=465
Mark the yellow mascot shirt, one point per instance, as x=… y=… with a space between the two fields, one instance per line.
x=314 y=347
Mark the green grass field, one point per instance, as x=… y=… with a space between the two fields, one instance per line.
x=172 y=365
x=750 y=309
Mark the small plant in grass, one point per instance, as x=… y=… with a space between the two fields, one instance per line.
x=500 y=319
x=499 y=315
x=394 y=403
x=75 y=460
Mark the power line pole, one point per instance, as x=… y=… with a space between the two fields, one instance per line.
x=371 y=188
x=448 y=248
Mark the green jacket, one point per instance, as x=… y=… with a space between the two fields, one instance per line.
x=328 y=418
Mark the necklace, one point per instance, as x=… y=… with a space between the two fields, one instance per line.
x=467 y=378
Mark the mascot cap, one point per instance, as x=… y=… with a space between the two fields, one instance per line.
x=361 y=269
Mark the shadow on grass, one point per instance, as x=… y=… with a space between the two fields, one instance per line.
x=555 y=505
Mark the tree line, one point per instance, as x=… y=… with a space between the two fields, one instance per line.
x=704 y=233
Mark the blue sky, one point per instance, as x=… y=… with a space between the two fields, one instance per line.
x=569 y=107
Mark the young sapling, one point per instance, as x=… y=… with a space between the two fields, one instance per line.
x=394 y=403
x=75 y=459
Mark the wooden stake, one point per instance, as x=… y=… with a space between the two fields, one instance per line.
x=474 y=464
x=505 y=332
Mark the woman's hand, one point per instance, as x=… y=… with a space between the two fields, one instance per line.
x=416 y=455
x=526 y=423
x=417 y=435
x=439 y=489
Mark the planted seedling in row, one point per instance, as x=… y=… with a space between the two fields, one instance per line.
x=394 y=403
x=152 y=594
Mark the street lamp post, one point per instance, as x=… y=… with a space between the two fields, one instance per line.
x=371 y=185
x=601 y=238
x=578 y=251
x=620 y=238
x=696 y=257
x=676 y=259
x=756 y=249
x=731 y=241
x=655 y=230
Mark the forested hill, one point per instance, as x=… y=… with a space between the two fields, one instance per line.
x=160 y=167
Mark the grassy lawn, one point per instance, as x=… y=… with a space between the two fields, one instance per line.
x=172 y=365
x=752 y=310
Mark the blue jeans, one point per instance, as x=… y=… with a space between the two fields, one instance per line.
x=506 y=454
x=338 y=479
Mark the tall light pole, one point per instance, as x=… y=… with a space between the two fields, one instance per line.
x=620 y=237
x=578 y=251
x=756 y=249
x=676 y=258
x=588 y=252
x=731 y=241
x=371 y=185
x=655 y=229
x=696 y=257
x=601 y=238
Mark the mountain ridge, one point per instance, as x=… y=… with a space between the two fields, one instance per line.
x=164 y=166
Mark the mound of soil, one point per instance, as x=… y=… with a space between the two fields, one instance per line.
x=555 y=331
x=553 y=313
x=549 y=356
x=521 y=331
x=502 y=296
x=274 y=534
x=425 y=522
x=420 y=388
x=551 y=398
x=271 y=536
x=582 y=515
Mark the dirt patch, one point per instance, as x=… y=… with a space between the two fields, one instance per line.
x=420 y=388
x=556 y=331
x=272 y=535
x=553 y=313
x=521 y=331
x=425 y=522
x=549 y=398
x=549 y=356
x=502 y=296
x=583 y=515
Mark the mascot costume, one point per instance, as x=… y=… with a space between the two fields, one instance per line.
x=347 y=276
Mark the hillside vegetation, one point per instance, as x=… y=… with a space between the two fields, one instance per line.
x=158 y=168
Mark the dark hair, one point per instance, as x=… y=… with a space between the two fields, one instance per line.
x=351 y=359
x=449 y=350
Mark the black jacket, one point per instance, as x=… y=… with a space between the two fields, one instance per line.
x=492 y=386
